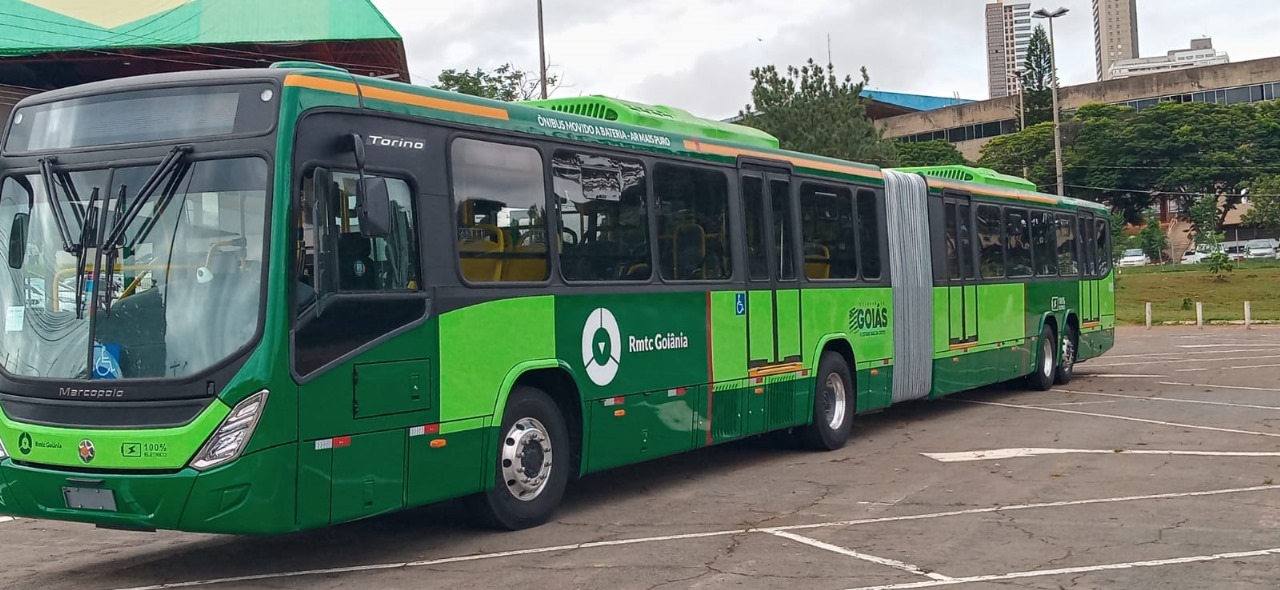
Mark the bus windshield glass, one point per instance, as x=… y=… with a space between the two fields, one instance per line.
x=178 y=288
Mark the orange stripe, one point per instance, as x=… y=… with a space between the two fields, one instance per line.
x=732 y=152
x=397 y=96
x=776 y=370
x=994 y=192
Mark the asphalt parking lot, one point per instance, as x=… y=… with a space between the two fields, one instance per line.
x=1155 y=468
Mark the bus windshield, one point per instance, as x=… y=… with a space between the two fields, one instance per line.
x=178 y=289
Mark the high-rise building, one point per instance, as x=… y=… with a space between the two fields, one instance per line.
x=1115 y=33
x=1008 y=36
x=1200 y=54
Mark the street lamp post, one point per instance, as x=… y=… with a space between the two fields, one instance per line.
x=1053 y=66
x=542 y=54
x=1022 y=114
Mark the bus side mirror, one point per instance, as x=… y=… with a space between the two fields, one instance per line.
x=373 y=207
x=18 y=240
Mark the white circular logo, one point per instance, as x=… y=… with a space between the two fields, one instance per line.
x=601 y=346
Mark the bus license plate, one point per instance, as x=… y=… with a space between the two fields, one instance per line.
x=90 y=498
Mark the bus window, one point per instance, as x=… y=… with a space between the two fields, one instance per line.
x=827 y=226
x=1103 y=248
x=757 y=240
x=780 y=192
x=1017 y=242
x=869 y=234
x=693 y=223
x=963 y=220
x=990 y=242
x=603 y=213
x=500 y=203
x=1044 y=244
x=952 y=243
x=1067 y=246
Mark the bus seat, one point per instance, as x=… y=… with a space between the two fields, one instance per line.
x=689 y=252
x=356 y=270
x=480 y=250
x=528 y=262
x=817 y=261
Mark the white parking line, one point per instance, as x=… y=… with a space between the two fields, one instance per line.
x=1213 y=360
x=1076 y=570
x=1239 y=387
x=1126 y=418
x=1122 y=376
x=623 y=542
x=893 y=563
x=1189 y=370
x=999 y=454
x=7 y=518
x=1253 y=366
x=1168 y=399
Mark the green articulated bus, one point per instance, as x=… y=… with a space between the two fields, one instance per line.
x=263 y=301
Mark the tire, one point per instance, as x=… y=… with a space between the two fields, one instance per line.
x=834 y=401
x=517 y=501
x=1067 y=365
x=1041 y=378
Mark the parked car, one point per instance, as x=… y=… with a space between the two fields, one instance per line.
x=1133 y=257
x=1200 y=253
x=1261 y=250
x=1236 y=253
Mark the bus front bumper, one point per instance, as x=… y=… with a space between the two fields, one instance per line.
x=254 y=494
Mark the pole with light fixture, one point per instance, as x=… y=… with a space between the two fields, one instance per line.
x=1022 y=113
x=1053 y=67
x=542 y=54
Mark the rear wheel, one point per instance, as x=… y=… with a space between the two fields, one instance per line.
x=1042 y=378
x=1067 y=366
x=834 y=401
x=533 y=464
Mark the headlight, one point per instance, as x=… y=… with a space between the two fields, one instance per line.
x=231 y=437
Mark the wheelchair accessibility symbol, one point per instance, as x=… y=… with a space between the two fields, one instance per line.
x=106 y=364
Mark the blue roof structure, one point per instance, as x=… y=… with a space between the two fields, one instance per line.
x=915 y=102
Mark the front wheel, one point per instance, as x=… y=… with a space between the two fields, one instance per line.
x=1067 y=367
x=533 y=464
x=834 y=401
x=1042 y=378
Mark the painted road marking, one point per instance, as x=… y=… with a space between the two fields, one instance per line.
x=1168 y=399
x=996 y=454
x=1253 y=366
x=1072 y=404
x=7 y=518
x=624 y=542
x=893 y=563
x=1240 y=387
x=1076 y=570
x=1214 y=360
x=1126 y=418
x=1123 y=376
x=1189 y=370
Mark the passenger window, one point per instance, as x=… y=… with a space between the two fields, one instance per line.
x=500 y=204
x=869 y=234
x=1103 y=252
x=990 y=242
x=1067 y=246
x=780 y=193
x=603 y=216
x=952 y=243
x=757 y=239
x=830 y=234
x=963 y=220
x=361 y=263
x=1045 y=244
x=693 y=223
x=1017 y=234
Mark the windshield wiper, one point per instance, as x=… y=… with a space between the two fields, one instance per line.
x=169 y=172
x=47 y=174
x=88 y=231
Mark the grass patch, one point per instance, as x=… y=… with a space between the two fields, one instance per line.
x=1173 y=291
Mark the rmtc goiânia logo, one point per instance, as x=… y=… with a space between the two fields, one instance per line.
x=869 y=319
x=602 y=345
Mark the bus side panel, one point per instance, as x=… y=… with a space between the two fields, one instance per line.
x=863 y=315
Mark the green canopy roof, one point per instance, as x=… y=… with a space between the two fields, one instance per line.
x=33 y=27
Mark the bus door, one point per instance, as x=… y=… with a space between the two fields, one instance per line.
x=773 y=295
x=962 y=274
x=1090 y=307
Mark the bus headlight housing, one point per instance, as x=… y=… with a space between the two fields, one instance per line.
x=232 y=436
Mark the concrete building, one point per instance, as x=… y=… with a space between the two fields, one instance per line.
x=970 y=126
x=1008 y=36
x=1115 y=33
x=1200 y=54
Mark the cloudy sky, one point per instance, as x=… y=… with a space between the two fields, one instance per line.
x=697 y=54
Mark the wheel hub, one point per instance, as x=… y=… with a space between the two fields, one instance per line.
x=526 y=459
x=834 y=396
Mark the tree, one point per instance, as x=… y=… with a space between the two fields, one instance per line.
x=1030 y=149
x=504 y=83
x=1154 y=241
x=929 y=153
x=1120 y=241
x=1264 y=195
x=810 y=110
x=1205 y=223
x=1037 y=79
